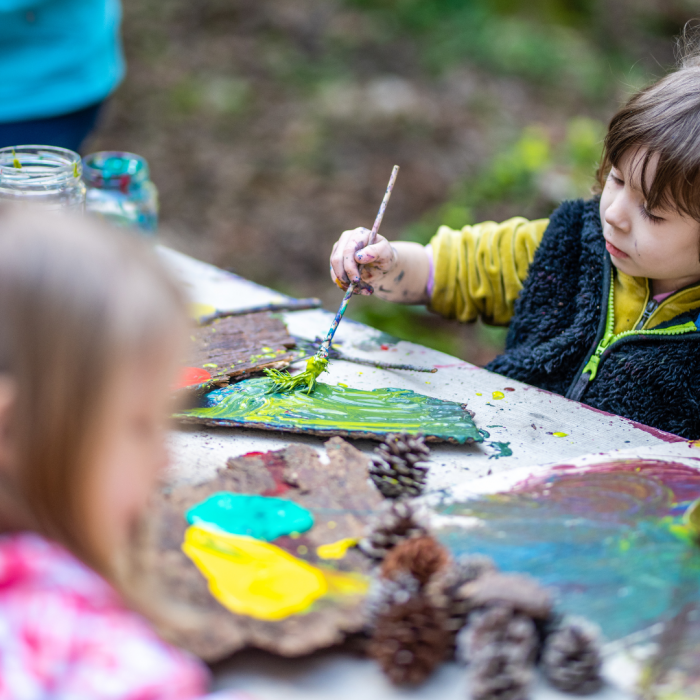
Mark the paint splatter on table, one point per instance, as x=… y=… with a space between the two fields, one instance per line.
x=335 y=410
x=609 y=538
x=327 y=604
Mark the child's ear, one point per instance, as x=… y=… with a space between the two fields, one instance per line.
x=8 y=394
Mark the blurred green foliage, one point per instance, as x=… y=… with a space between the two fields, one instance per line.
x=221 y=95
x=549 y=42
x=529 y=176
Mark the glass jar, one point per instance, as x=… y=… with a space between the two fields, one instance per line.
x=44 y=176
x=120 y=191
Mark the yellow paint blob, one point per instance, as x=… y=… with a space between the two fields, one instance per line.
x=258 y=579
x=302 y=549
x=560 y=434
x=198 y=311
x=345 y=386
x=498 y=395
x=336 y=550
x=478 y=394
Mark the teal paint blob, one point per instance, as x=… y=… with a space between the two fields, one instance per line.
x=335 y=410
x=502 y=450
x=261 y=517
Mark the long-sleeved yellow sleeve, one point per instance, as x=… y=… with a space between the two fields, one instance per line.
x=480 y=270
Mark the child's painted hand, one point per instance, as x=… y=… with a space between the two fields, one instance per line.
x=351 y=251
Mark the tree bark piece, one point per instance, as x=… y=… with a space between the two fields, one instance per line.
x=235 y=347
x=341 y=499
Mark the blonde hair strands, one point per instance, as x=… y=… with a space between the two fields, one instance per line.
x=77 y=302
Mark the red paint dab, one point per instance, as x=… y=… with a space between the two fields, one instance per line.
x=509 y=388
x=191 y=376
x=384 y=347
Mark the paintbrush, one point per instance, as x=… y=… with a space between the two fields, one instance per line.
x=283 y=381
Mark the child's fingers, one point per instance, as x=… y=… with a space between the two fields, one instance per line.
x=336 y=264
x=338 y=256
x=343 y=258
x=379 y=255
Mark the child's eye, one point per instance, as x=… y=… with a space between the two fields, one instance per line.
x=616 y=179
x=646 y=214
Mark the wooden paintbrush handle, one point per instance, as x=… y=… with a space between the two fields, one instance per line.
x=323 y=350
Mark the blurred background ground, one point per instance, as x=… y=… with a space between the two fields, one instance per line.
x=272 y=125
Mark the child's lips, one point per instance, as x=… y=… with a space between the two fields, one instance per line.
x=615 y=252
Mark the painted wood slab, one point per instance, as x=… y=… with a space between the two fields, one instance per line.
x=337 y=492
x=234 y=347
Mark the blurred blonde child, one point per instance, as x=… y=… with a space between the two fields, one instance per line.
x=603 y=299
x=90 y=331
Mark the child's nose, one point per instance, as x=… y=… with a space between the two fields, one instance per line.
x=616 y=215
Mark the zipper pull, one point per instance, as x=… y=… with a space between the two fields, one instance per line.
x=648 y=311
x=591 y=367
x=587 y=376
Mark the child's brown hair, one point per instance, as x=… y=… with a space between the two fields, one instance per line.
x=77 y=301
x=663 y=122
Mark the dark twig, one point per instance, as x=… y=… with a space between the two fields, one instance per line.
x=334 y=354
x=291 y=305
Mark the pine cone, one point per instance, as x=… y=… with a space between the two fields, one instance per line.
x=500 y=646
x=396 y=521
x=445 y=587
x=409 y=640
x=399 y=468
x=571 y=658
x=422 y=557
x=384 y=593
x=516 y=591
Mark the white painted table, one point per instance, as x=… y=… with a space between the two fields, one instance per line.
x=526 y=418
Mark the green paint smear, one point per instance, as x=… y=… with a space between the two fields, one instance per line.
x=283 y=381
x=334 y=409
x=261 y=517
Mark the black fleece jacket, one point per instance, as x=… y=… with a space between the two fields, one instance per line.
x=560 y=318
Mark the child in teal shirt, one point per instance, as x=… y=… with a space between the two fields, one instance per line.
x=59 y=60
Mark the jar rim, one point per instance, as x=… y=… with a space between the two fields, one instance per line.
x=115 y=170
x=40 y=166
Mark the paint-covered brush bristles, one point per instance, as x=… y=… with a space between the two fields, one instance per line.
x=283 y=381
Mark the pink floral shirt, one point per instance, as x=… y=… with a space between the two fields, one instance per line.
x=66 y=635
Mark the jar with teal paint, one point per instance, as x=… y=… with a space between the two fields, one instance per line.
x=119 y=190
x=42 y=176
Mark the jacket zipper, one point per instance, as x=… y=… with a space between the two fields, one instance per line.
x=648 y=311
x=609 y=338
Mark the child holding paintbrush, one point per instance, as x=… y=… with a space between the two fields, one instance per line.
x=603 y=300
x=90 y=333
